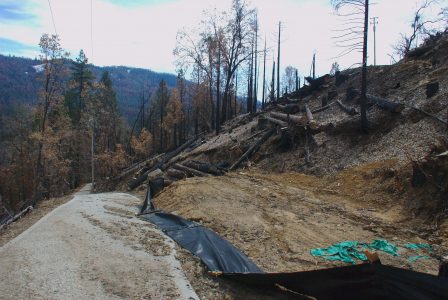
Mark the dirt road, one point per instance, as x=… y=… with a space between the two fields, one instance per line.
x=92 y=247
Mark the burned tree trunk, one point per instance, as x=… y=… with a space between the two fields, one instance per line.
x=176 y=174
x=191 y=171
x=293 y=118
x=385 y=104
x=348 y=110
x=254 y=148
x=139 y=180
x=276 y=122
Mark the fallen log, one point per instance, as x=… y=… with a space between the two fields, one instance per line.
x=385 y=104
x=293 y=118
x=277 y=122
x=191 y=171
x=163 y=163
x=291 y=108
x=429 y=115
x=299 y=121
x=176 y=174
x=348 y=110
x=17 y=216
x=204 y=167
x=254 y=148
x=142 y=165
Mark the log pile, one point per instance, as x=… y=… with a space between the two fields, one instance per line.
x=164 y=164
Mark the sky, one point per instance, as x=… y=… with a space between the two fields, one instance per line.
x=142 y=33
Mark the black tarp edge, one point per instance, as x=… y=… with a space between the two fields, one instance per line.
x=363 y=281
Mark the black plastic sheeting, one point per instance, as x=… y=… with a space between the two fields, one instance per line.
x=215 y=252
x=364 y=281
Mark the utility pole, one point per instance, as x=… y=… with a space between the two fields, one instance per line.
x=273 y=81
x=236 y=91
x=278 y=60
x=255 y=98
x=218 y=92
x=314 y=66
x=374 y=23
x=143 y=109
x=92 y=124
x=264 y=76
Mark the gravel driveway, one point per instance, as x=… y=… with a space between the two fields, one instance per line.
x=92 y=247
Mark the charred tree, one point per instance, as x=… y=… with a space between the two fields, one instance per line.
x=278 y=60
x=263 y=100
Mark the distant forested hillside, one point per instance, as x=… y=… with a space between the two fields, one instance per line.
x=19 y=83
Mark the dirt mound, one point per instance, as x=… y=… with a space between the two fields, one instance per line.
x=277 y=219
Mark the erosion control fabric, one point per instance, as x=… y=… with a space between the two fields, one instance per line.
x=348 y=251
x=364 y=281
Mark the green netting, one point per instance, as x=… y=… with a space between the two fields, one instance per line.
x=420 y=246
x=349 y=251
x=385 y=246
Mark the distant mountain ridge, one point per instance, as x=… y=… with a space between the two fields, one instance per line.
x=19 y=83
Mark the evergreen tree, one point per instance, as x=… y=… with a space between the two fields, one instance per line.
x=80 y=82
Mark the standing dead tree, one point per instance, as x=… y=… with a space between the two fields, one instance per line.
x=352 y=38
x=278 y=60
x=420 y=27
x=263 y=100
x=237 y=45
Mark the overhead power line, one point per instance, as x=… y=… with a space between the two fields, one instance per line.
x=91 y=26
x=52 y=18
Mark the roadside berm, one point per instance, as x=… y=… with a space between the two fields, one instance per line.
x=299 y=175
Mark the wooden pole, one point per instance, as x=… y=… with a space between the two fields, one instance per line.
x=278 y=61
x=263 y=100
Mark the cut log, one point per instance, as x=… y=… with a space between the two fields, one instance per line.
x=299 y=121
x=382 y=103
x=385 y=104
x=17 y=216
x=253 y=149
x=291 y=108
x=176 y=173
x=163 y=163
x=277 y=122
x=191 y=171
x=429 y=115
x=204 y=167
x=309 y=114
x=348 y=110
x=142 y=165
x=293 y=118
